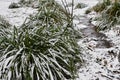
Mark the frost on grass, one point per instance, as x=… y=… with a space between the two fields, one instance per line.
x=100 y=63
x=4 y=23
x=109 y=14
x=43 y=48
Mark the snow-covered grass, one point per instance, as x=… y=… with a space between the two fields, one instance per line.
x=99 y=63
x=44 y=48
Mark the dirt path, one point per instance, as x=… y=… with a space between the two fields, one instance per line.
x=99 y=54
x=90 y=32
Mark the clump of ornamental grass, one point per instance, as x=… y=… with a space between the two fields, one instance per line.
x=99 y=7
x=4 y=26
x=109 y=17
x=45 y=48
x=55 y=14
x=4 y=23
x=108 y=14
x=38 y=53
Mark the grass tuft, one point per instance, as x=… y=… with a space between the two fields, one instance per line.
x=45 y=48
x=109 y=17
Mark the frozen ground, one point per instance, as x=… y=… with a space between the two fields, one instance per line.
x=100 y=50
x=15 y=16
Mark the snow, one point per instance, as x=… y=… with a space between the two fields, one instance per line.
x=100 y=63
x=15 y=16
